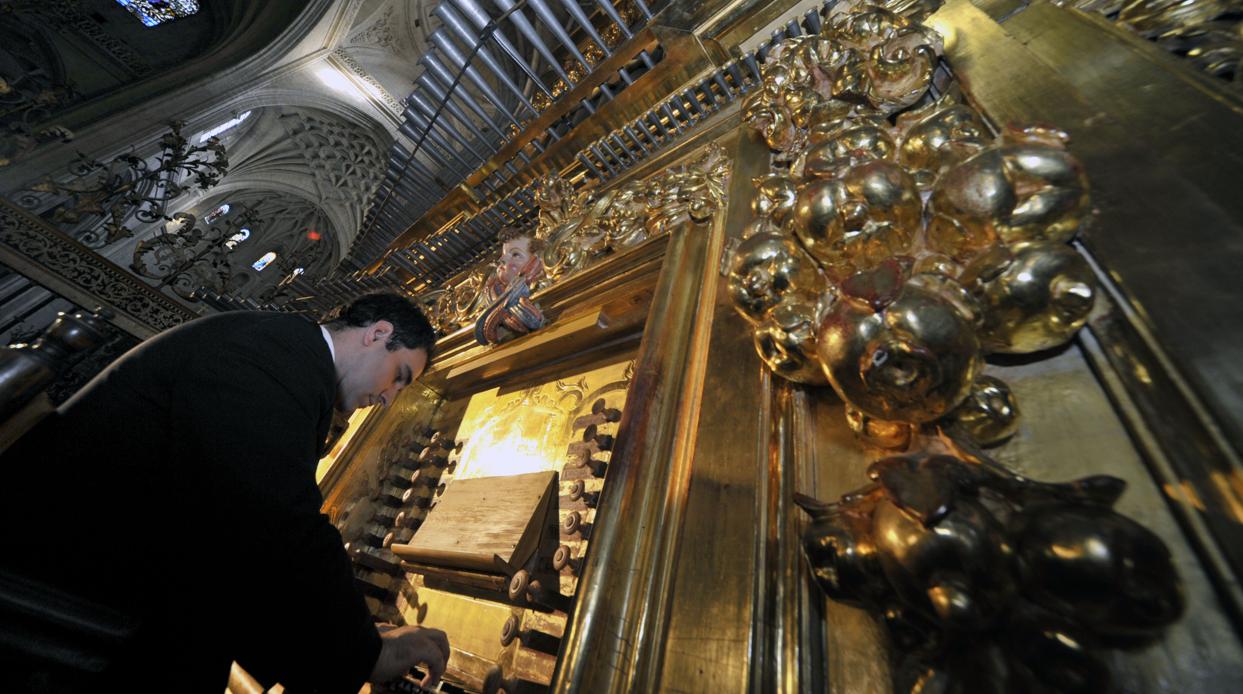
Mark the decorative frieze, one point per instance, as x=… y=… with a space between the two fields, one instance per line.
x=44 y=255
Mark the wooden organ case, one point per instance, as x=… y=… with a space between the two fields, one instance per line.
x=607 y=504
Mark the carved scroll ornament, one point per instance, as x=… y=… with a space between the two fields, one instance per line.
x=30 y=246
x=192 y=257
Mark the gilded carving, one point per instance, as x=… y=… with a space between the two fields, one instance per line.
x=765 y=268
x=457 y=304
x=866 y=59
x=926 y=282
x=776 y=286
x=1025 y=188
x=1208 y=33
x=879 y=433
x=1034 y=296
x=775 y=197
x=990 y=581
x=899 y=349
x=852 y=222
x=937 y=136
x=1154 y=16
x=989 y=415
x=888 y=58
x=839 y=143
x=785 y=338
x=578 y=228
x=894 y=244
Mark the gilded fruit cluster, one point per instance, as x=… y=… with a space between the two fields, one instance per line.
x=897 y=240
x=992 y=582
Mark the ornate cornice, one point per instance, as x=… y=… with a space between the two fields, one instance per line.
x=376 y=92
x=65 y=14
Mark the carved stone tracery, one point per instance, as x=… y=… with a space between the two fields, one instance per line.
x=378 y=34
x=67 y=15
x=347 y=163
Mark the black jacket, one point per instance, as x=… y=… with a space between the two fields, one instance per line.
x=179 y=486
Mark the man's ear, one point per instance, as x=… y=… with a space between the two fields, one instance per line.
x=379 y=331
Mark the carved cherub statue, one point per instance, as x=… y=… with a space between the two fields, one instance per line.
x=509 y=311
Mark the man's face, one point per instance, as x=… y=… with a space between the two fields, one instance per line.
x=376 y=375
x=514 y=256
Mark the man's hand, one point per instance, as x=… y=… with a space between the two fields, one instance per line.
x=402 y=648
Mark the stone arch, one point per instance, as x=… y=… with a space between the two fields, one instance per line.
x=293 y=96
x=314 y=154
x=249 y=38
x=249 y=35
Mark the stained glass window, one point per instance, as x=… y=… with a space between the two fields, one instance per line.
x=263 y=262
x=237 y=238
x=217 y=213
x=153 y=12
x=223 y=127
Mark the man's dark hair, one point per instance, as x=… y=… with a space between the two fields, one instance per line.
x=411 y=328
